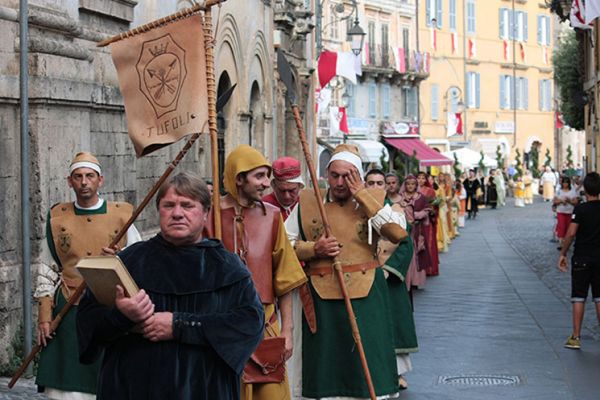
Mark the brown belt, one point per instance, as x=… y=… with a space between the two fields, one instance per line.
x=364 y=267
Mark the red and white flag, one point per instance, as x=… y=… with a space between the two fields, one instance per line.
x=472 y=48
x=338 y=121
x=454 y=42
x=366 y=57
x=333 y=63
x=400 y=58
x=455 y=125
x=522 y=50
x=506 y=50
x=577 y=17
x=592 y=10
x=322 y=99
x=433 y=37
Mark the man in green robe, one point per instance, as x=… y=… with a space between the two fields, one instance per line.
x=330 y=364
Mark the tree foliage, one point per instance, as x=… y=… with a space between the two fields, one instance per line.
x=456 y=167
x=569 y=78
x=499 y=158
x=534 y=157
x=519 y=166
x=548 y=158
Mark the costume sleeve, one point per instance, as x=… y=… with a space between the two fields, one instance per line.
x=97 y=325
x=48 y=279
x=233 y=335
x=287 y=271
x=387 y=223
x=133 y=235
x=304 y=250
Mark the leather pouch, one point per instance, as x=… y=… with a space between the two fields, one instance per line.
x=267 y=363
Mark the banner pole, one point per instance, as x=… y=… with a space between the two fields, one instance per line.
x=212 y=119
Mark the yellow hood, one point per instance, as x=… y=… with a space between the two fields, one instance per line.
x=243 y=159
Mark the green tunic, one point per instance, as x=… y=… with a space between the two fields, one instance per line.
x=405 y=336
x=62 y=351
x=330 y=361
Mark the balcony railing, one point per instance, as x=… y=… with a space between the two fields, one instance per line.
x=396 y=58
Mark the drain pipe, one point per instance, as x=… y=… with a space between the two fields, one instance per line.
x=25 y=215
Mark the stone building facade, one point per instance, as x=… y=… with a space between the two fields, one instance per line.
x=75 y=104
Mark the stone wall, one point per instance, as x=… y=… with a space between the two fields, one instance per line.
x=75 y=105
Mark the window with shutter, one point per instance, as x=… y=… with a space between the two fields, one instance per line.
x=372 y=100
x=435 y=102
x=452 y=15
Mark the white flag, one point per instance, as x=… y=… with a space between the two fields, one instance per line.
x=577 y=17
x=592 y=10
x=323 y=99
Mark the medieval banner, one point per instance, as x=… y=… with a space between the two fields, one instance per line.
x=162 y=74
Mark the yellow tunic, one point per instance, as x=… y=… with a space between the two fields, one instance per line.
x=442 y=225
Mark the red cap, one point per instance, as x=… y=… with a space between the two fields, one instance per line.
x=287 y=169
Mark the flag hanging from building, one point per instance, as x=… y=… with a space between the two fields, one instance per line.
x=454 y=42
x=162 y=75
x=592 y=10
x=333 y=63
x=338 y=121
x=400 y=58
x=433 y=37
x=323 y=98
x=522 y=51
x=506 y=50
x=545 y=55
x=455 y=126
x=472 y=48
x=366 y=57
x=577 y=17
x=560 y=123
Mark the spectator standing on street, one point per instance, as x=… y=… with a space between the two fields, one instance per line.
x=471 y=184
x=492 y=191
x=585 y=270
x=565 y=201
x=549 y=182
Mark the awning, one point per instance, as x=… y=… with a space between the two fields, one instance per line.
x=425 y=154
x=470 y=158
x=370 y=151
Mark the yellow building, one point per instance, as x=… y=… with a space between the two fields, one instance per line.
x=491 y=72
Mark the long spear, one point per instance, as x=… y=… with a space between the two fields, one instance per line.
x=285 y=74
x=212 y=113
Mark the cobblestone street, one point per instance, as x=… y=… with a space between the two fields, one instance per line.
x=493 y=324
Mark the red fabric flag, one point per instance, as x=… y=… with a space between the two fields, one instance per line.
x=522 y=48
x=472 y=48
x=559 y=121
x=459 y=123
x=506 y=50
x=336 y=63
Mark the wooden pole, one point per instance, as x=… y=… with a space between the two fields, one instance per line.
x=212 y=119
x=336 y=263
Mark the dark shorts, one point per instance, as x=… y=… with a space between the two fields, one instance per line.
x=583 y=275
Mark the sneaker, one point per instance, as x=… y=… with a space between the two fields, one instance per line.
x=573 y=343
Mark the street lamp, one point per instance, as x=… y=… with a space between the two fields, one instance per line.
x=355 y=35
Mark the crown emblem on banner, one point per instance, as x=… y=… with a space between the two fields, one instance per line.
x=158 y=49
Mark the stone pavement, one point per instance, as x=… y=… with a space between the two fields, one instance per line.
x=25 y=389
x=499 y=313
